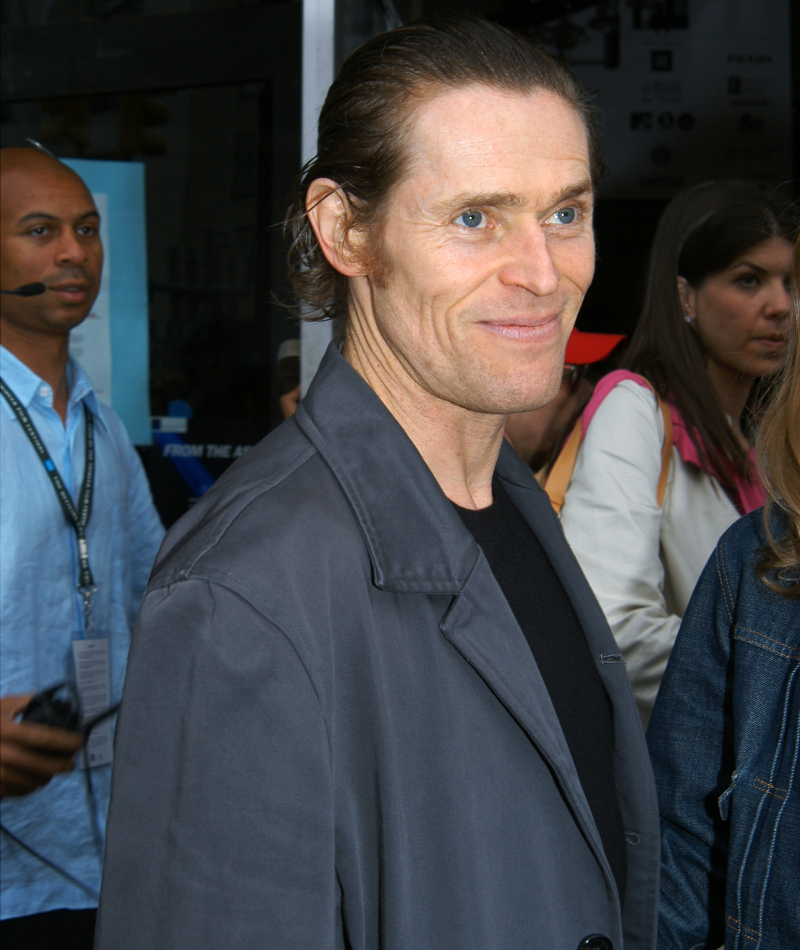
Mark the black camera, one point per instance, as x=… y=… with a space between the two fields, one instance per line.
x=60 y=706
x=57 y=706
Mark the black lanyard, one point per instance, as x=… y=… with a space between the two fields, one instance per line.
x=78 y=518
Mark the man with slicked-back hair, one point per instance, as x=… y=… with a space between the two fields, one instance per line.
x=371 y=701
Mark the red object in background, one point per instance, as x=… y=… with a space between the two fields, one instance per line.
x=584 y=348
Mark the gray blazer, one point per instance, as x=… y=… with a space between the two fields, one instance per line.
x=334 y=733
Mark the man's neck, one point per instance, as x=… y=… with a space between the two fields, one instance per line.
x=459 y=446
x=44 y=354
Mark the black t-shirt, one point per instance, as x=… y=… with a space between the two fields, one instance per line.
x=544 y=612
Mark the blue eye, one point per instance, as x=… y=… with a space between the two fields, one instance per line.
x=566 y=216
x=471 y=219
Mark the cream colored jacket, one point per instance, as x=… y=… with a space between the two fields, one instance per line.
x=641 y=560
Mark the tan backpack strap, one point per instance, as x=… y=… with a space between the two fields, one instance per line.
x=560 y=474
x=666 y=450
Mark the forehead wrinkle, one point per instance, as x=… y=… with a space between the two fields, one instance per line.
x=423 y=130
x=438 y=151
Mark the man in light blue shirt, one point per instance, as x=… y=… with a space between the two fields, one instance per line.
x=50 y=234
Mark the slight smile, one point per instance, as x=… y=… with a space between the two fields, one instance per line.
x=539 y=329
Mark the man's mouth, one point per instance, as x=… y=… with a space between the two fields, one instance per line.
x=527 y=328
x=73 y=291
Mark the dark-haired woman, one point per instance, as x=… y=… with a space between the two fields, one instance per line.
x=714 y=321
x=725 y=733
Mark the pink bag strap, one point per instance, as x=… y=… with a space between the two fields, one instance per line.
x=560 y=474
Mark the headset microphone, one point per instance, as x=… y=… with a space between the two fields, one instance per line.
x=27 y=290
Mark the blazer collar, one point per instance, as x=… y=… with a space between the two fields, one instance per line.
x=415 y=539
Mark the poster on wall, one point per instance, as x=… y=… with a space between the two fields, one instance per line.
x=112 y=343
x=704 y=92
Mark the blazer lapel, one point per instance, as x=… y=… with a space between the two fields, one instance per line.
x=534 y=506
x=636 y=792
x=482 y=627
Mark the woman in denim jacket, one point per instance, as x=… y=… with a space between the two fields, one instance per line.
x=725 y=733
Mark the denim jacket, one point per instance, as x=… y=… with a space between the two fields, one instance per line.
x=725 y=742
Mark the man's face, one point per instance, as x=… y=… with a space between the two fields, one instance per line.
x=49 y=232
x=486 y=251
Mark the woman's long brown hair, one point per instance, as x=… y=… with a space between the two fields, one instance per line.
x=702 y=231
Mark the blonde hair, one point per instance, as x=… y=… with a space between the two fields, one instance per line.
x=779 y=461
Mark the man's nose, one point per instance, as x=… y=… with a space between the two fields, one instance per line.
x=70 y=248
x=530 y=263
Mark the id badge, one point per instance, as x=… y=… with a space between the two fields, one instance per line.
x=93 y=676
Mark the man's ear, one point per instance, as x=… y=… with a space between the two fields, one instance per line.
x=329 y=214
x=687 y=295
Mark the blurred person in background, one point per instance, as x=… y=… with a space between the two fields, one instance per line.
x=725 y=733
x=52 y=568
x=714 y=321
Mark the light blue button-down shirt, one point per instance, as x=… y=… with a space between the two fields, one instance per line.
x=41 y=611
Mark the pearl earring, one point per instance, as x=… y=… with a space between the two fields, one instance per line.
x=687 y=317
